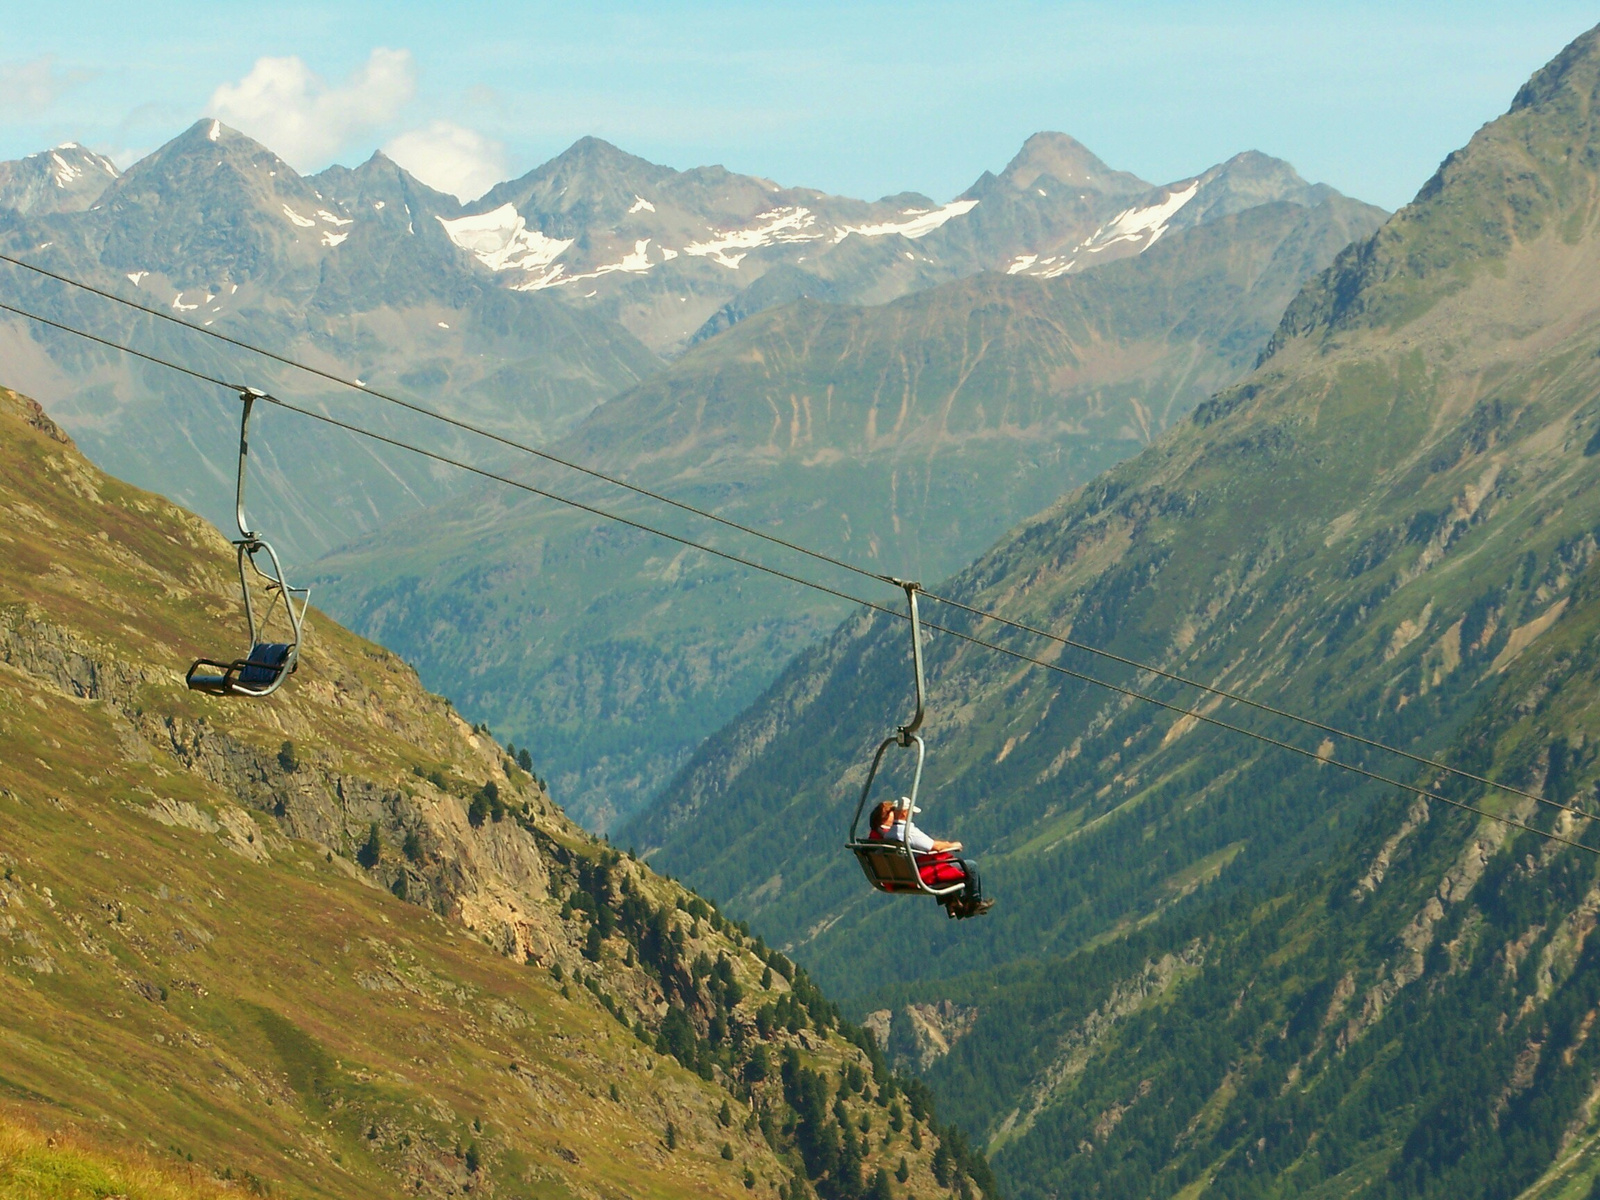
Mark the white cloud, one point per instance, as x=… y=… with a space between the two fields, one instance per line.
x=451 y=158
x=295 y=112
x=28 y=88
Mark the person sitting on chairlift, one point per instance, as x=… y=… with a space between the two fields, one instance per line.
x=936 y=859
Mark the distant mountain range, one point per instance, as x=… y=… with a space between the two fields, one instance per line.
x=349 y=270
x=981 y=380
x=906 y=436
x=1216 y=968
x=678 y=255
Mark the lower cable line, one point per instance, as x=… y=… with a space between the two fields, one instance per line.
x=1353 y=768
x=578 y=504
x=1237 y=698
x=801 y=581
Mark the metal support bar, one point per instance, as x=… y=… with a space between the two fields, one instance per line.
x=249 y=396
x=907 y=731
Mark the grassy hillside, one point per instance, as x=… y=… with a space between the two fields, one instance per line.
x=338 y=943
x=1257 y=975
x=39 y=1166
x=906 y=437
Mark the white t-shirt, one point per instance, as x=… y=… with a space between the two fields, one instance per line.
x=906 y=831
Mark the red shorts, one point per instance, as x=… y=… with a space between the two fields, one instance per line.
x=941 y=869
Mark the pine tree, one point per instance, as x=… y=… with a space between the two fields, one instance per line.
x=491 y=792
x=371 y=852
x=942 y=1162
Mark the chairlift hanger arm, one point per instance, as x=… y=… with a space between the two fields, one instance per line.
x=248 y=396
x=907 y=731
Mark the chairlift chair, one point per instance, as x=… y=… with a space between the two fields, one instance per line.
x=888 y=865
x=267 y=665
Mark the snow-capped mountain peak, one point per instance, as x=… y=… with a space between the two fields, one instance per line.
x=65 y=178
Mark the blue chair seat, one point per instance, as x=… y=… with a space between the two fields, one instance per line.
x=265 y=663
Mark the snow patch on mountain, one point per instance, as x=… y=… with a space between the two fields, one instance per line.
x=634 y=263
x=1140 y=224
x=303 y=222
x=329 y=238
x=640 y=204
x=64 y=171
x=729 y=247
x=915 y=222
x=502 y=241
x=1132 y=231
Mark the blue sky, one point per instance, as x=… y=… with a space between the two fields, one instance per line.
x=858 y=98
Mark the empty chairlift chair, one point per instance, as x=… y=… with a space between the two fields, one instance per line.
x=267 y=664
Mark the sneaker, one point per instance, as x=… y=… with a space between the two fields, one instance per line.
x=978 y=909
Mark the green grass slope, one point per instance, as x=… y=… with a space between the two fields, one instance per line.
x=1390 y=524
x=906 y=437
x=337 y=943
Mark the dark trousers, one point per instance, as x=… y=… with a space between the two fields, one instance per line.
x=971 y=888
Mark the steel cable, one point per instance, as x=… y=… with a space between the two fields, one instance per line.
x=818 y=555
x=803 y=582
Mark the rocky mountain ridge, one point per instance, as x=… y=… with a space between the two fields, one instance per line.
x=347 y=271
x=598 y=225
x=65 y=178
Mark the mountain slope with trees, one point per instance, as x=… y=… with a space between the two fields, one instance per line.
x=1217 y=968
x=338 y=943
